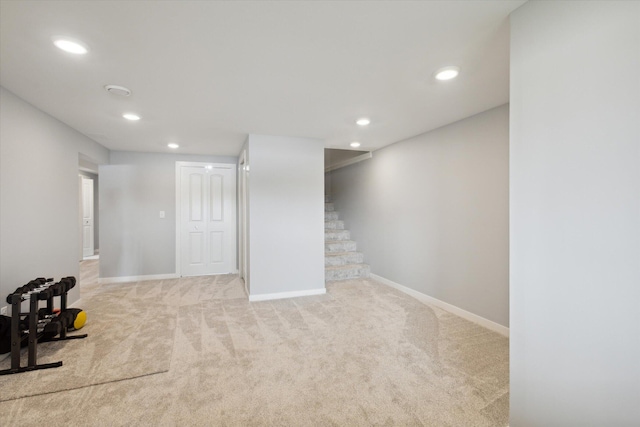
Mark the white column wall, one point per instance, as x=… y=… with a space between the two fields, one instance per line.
x=286 y=216
x=575 y=214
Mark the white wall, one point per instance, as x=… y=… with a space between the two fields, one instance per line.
x=134 y=188
x=575 y=214
x=431 y=213
x=286 y=215
x=39 y=215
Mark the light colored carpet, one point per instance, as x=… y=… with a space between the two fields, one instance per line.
x=363 y=354
x=131 y=334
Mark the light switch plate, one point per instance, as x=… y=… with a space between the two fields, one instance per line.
x=161 y=214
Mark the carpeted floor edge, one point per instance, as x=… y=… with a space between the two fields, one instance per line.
x=44 y=393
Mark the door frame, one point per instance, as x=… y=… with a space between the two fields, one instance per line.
x=80 y=225
x=178 y=208
x=243 y=241
x=83 y=195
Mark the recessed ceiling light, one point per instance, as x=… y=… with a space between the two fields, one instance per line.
x=173 y=145
x=70 y=45
x=130 y=116
x=118 y=90
x=363 y=121
x=355 y=144
x=447 y=73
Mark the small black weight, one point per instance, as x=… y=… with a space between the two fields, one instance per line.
x=5 y=334
x=51 y=330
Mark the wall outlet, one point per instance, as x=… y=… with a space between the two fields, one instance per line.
x=3 y=311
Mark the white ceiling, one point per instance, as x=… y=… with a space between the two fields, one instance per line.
x=205 y=74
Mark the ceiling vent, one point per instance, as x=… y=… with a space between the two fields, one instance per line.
x=118 y=90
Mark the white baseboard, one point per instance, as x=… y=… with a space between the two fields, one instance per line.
x=496 y=327
x=292 y=294
x=125 y=279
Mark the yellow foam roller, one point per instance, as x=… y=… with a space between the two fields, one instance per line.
x=79 y=318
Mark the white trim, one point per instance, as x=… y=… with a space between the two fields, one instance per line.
x=350 y=161
x=495 y=327
x=292 y=294
x=241 y=234
x=178 y=215
x=125 y=279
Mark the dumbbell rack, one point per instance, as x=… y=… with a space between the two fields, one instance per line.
x=45 y=293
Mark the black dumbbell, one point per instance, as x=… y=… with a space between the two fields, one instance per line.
x=44 y=313
x=51 y=330
x=70 y=281
x=5 y=334
x=59 y=288
x=5 y=324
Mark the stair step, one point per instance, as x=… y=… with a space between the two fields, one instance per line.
x=334 y=225
x=346 y=272
x=343 y=258
x=337 y=235
x=330 y=216
x=332 y=246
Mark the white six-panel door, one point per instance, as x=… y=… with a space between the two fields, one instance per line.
x=87 y=217
x=207 y=219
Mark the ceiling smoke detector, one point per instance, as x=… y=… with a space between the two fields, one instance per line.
x=118 y=90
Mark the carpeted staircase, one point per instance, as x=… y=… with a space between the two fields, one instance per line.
x=341 y=261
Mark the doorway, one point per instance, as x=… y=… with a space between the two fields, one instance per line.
x=88 y=209
x=88 y=221
x=88 y=241
x=205 y=218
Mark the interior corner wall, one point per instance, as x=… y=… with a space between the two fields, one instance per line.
x=39 y=210
x=286 y=215
x=431 y=213
x=134 y=188
x=575 y=214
